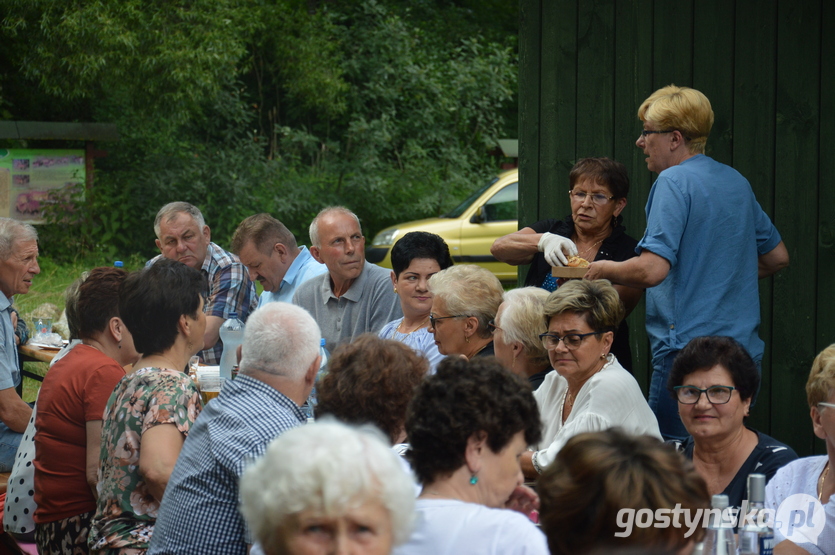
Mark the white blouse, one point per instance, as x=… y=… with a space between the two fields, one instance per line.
x=610 y=398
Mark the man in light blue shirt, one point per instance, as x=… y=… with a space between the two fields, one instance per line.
x=269 y=251
x=18 y=265
x=707 y=243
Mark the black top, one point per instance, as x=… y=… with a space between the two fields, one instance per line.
x=767 y=458
x=487 y=351
x=617 y=247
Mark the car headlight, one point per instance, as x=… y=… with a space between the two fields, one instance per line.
x=385 y=237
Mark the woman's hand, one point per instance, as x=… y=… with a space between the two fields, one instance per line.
x=555 y=248
x=523 y=499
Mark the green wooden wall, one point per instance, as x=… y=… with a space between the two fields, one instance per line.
x=586 y=66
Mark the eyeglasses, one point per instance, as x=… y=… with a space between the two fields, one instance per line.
x=570 y=340
x=433 y=318
x=716 y=394
x=493 y=327
x=598 y=199
x=646 y=132
x=827 y=405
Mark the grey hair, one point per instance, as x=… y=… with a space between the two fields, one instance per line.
x=170 y=211
x=280 y=339
x=471 y=290
x=12 y=231
x=327 y=467
x=522 y=320
x=314 y=225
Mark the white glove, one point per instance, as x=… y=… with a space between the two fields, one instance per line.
x=555 y=248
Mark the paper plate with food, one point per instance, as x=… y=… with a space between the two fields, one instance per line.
x=575 y=268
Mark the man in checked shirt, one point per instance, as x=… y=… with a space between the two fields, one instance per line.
x=182 y=235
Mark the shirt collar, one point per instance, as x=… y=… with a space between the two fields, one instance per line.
x=300 y=260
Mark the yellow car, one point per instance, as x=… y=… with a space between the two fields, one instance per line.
x=469 y=230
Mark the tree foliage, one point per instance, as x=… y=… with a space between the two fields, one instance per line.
x=241 y=106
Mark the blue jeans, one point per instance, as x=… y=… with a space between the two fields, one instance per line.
x=662 y=403
x=9 y=442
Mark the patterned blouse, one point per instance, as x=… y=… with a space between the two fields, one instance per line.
x=126 y=511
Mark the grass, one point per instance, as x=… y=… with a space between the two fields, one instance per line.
x=48 y=287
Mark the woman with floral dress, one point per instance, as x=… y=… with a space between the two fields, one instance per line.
x=151 y=409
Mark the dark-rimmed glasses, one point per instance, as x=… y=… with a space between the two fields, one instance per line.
x=716 y=394
x=433 y=318
x=598 y=198
x=493 y=327
x=570 y=340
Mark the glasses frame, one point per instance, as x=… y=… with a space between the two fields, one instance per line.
x=433 y=318
x=546 y=338
x=826 y=405
x=645 y=132
x=730 y=389
x=593 y=201
x=493 y=327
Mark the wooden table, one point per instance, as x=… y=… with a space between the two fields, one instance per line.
x=31 y=353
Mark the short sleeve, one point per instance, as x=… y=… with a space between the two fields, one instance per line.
x=97 y=390
x=176 y=401
x=543 y=226
x=767 y=235
x=667 y=209
x=231 y=291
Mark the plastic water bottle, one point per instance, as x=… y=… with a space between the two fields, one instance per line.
x=313 y=399
x=719 y=539
x=119 y=264
x=232 y=335
x=753 y=538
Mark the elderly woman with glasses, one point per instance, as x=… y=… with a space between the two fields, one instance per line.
x=811 y=475
x=465 y=299
x=590 y=391
x=714 y=380
x=594 y=231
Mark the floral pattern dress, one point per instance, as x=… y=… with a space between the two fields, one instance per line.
x=126 y=511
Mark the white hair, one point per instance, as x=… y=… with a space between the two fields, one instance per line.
x=170 y=211
x=523 y=319
x=327 y=467
x=12 y=231
x=467 y=289
x=281 y=339
x=314 y=225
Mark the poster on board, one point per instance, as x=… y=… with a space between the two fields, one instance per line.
x=28 y=176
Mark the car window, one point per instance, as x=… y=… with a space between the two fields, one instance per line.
x=461 y=208
x=502 y=206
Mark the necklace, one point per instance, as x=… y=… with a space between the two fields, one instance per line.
x=822 y=480
x=585 y=253
x=422 y=323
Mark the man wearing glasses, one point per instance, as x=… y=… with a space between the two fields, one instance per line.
x=707 y=243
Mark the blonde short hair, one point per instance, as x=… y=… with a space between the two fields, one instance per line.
x=522 y=320
x=471 y=290
x=681 y=108
x=597 y=301
x=821 y=380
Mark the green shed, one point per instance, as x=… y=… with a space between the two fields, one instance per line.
x=586 y=66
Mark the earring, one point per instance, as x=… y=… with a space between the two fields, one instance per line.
x=395 y=289
x=467 y=339
x=189 y=345
x=120 y=344
x=602 y=356
x=473 y=480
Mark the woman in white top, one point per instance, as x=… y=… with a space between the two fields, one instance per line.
x=590 y=391
x=467 y=427
x=415 y=258
x=809 y=477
